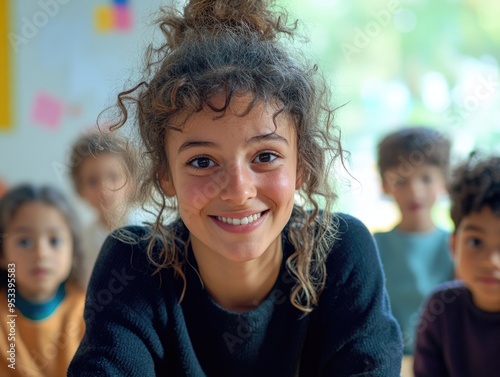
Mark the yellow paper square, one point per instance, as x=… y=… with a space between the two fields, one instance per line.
x=104 y=18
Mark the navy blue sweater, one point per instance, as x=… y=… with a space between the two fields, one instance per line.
x=135 y=325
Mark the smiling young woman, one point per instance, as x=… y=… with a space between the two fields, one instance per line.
x=247 y=281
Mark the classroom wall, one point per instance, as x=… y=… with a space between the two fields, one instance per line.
x=67 y=61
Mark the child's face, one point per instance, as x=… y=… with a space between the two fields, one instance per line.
x=415 y=193
x=476 y=250
x=231 y=170
x=39 y=242
x=103 y=183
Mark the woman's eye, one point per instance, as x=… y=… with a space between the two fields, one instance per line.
x=201 y=162
x=266 y=157
x=25 y=242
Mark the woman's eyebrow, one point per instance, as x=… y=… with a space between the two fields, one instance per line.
x=210 y=144
x=266 y=137
x=196 y=143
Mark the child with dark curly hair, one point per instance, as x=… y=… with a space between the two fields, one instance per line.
x=459 y=330
x=252 y=279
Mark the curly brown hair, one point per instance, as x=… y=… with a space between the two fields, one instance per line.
x=221 y=47
x=475 y=184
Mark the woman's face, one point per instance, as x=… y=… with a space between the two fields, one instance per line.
x=234 y=178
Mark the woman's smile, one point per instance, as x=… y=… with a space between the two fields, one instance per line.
x=245 y=224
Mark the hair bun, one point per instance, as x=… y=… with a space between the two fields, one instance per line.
x=253 y=15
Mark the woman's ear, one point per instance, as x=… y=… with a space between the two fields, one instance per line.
x=166 y=184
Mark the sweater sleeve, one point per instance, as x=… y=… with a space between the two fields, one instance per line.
x=123 y=314
x=428 y=355
x=358 y=330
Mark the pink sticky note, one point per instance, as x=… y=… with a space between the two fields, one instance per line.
x=123 y=17
x=47 y=111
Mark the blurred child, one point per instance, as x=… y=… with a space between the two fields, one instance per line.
x=41 y=299
x=102 y=167
x=415 y=255
x=459 y=331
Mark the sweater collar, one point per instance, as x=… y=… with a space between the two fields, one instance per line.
x=40 y=311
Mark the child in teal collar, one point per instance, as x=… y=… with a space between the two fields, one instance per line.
x=40 y=290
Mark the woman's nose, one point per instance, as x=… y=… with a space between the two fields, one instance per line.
x=240 y=184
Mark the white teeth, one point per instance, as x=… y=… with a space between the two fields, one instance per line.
x=243 y=221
